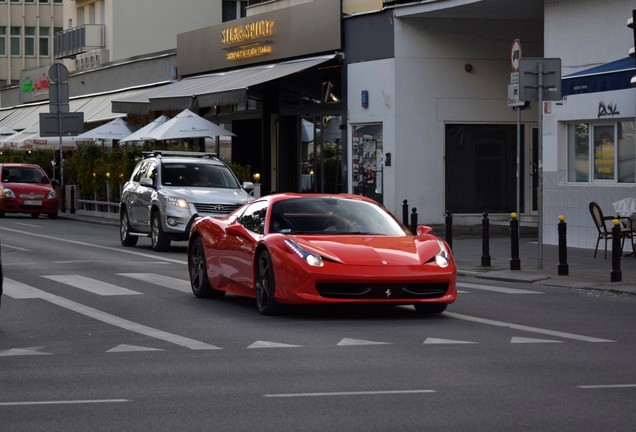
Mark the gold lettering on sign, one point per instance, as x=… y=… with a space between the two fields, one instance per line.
x=248 y=32
x=248 y=52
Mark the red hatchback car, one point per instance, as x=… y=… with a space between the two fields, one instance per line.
x=25 y=188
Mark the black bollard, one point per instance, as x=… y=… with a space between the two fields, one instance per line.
x=617 y=274
x=485 y=247
x=63 y=197
x=414 y=220
x=515 y=262
x=563 y=248
x=73 y=199
x=449 y=229
x=405 y=212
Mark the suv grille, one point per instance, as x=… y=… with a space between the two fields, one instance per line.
x=216 y=208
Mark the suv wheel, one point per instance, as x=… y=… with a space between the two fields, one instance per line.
x=158 y=239
x=124 y=230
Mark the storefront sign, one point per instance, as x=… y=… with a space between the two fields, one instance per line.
x=295 y=31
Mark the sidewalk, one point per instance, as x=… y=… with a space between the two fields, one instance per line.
x=584 y=271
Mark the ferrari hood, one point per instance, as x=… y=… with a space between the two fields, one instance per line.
x=373 y=250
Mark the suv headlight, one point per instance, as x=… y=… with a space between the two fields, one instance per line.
x=177 y=202
x=8 y=193
x=51 y=194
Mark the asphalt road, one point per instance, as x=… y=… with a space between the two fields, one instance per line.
x=95 y=336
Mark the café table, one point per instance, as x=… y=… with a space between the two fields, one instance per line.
x=626 y=208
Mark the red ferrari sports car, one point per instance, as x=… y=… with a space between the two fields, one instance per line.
x=315 y=248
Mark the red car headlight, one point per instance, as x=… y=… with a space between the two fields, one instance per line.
x=442 y=258
x=310 y=258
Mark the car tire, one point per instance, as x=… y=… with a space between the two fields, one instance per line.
x=198 y=270
x=52 y=215
x=158 y=239
x=265 y=285
x=430 y=308
x=124 y=230
x=35 y=215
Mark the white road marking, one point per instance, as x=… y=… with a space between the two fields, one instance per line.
x=28 y=225
x=131 y=348
x=23 y=352
x=530 y=329
x=358 y=342
x=265 y=344
x=16 y=248
x=607 y=386
x=64 y=402
x=164 y=281
x=18 y=290
x=503 y=290
x=111 y=319
x=91 y=285
x=437 y=341
x=349 y=393
x=112 y=249
x=522 y=340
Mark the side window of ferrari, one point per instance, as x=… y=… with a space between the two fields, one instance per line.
x=254 y=217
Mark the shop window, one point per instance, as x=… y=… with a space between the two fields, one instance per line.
x=601 y=152
x=233 y=9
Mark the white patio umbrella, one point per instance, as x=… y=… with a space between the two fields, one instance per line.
x=139 y=134
x=15 y=140
x=113 y=130
x=184 y=125
x=5 y=131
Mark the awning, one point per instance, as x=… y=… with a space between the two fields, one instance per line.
x=96 y=108
x=610 y=76
x=216 y=89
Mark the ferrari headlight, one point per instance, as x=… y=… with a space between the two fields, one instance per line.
x=51 y=194
x=310 y=258
x=177 y=202
x=442 y=258
x=8 y=193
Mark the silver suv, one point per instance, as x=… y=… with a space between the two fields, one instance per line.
x=167 y=191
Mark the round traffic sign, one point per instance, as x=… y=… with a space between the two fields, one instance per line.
x=515 y=54
x=58 y=73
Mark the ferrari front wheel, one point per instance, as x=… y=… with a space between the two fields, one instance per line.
x=265 y=285
x=197 y=268
x=430 y=308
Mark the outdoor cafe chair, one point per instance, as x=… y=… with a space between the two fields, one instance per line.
x=604 y=227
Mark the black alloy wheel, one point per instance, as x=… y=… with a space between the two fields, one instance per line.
x=197 y=268
x=266 y=285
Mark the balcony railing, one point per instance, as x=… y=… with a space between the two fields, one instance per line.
x=84 y=38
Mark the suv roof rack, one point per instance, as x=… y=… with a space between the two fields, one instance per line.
x=161 y=153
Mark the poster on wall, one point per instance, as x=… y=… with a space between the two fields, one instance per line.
x=367 y=160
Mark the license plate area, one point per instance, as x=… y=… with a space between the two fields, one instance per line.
x=32 y=202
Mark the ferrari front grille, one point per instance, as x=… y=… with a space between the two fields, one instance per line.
x=216 y=208
x=382 y=291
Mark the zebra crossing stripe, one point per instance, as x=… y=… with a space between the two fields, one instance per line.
x=164 y=281
x=91 y=285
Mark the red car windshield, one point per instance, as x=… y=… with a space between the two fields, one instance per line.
x=24 y=175
x=331 y=215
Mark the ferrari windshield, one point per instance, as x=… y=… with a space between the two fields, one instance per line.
x=332 y=215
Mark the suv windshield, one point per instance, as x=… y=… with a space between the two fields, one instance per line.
x=193 y=174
